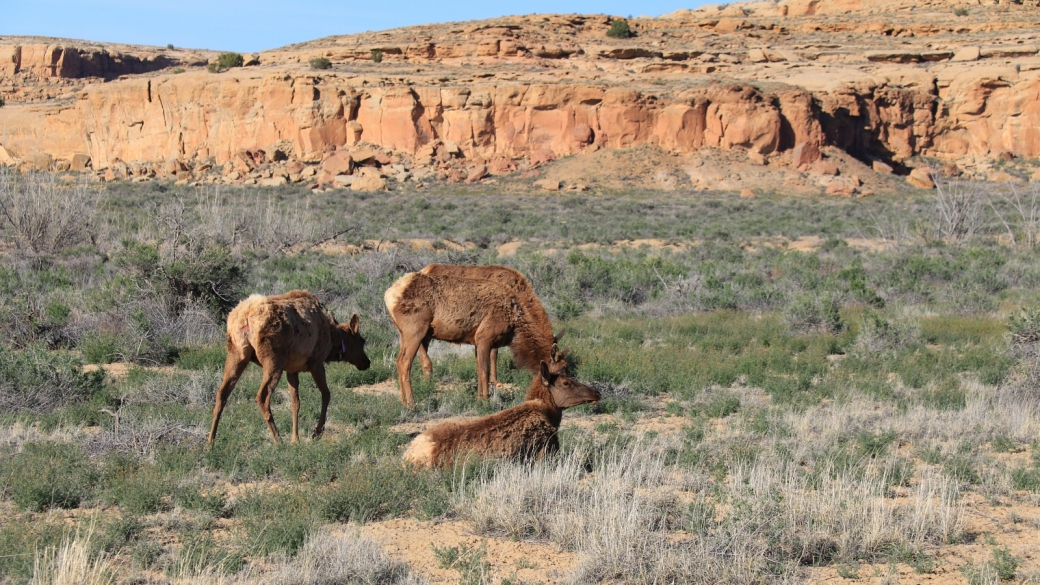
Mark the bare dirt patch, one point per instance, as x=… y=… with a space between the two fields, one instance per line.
x=412 y=541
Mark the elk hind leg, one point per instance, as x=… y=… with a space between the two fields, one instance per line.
x=409 y=347
x=272 y=374
x=424 y=357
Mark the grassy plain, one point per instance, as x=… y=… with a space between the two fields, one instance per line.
x=795 y=389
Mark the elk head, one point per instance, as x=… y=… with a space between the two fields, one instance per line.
x=564 y=391
x=348 y=345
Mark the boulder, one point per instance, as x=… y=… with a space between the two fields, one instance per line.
x=338 y=164
x=478 y=173
x=841 y=189
x=548 y=184
x=583 y=134
x=882 y=167
x=363 y=156
x=345 y=180
x=275 y=181
x=824 y=167
x=6 y=158
x=747 y=193
x=354 y=132
x=805 y=154
x=41 y=161
x=964 y=54
x=921 y=178
x=368 y=183
x=542 y=156
x=501 y=166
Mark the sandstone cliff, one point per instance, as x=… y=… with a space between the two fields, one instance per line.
x=881 y=81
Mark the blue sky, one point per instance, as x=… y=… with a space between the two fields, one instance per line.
x=246 y=26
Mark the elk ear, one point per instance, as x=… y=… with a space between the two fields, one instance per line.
x=355 y=323
x=559 y=336
x=545 y=373
x=554 y=353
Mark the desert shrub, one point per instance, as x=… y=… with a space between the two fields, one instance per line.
x=377 y=56
x=878 y=334
x=226 y=61
x=619 y=29
x=276 y=521
x=117 y=533
x=2 y=103
x=1004 y=563
x=191 y=497
x=169 y=46
x=960 y=11
x=139 y=491
x=320 y=63
x=326 y=557
x=48 y=475
x=27 y=534
x=44 y=215
x=809 y=313
x=37 y=380
x=373 y=491
x=1025 y=327
x=470 y=562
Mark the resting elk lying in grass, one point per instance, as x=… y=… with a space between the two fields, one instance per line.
x=483 y=313
x=512 y=280
x=289 y=333
x=523 y=431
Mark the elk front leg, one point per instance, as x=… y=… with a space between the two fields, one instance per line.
x=294 y=396
x=483 y=369
x=318 y=373
x=272 y=374
x=494 y=368
x=234 y=365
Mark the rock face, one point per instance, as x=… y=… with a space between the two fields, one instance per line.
x=762 y=77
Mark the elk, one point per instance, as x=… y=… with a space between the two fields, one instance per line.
x=289 y=333
x=517 y=285
x=483 y=313
x=526 y=430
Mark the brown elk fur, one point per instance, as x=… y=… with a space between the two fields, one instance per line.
x=523 y=431
x=460 y=310
x=512 y=280
x=288 y=333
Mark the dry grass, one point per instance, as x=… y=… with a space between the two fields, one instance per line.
x=72 y=563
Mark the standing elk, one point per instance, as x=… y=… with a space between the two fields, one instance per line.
x=289 y=333
x=526 y=430
x=518 y=286
x=483 y=313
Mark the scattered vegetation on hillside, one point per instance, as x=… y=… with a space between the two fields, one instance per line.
x=320 y=63
x=619 y=29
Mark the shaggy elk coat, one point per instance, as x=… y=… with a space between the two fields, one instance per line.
x=523 y=431
x=288 y=333
x=461 y=310
x=512 y=280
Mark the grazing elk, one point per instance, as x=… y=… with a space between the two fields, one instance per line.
x=512 y=280
x=289 y=333
x=461 y=310
x=523 y=431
